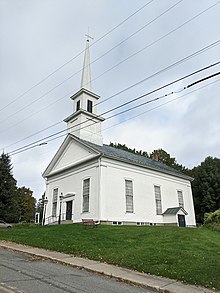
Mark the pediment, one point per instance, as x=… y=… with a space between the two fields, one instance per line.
x=71 y=152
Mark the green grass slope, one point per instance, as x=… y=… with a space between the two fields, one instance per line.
x=185 y=254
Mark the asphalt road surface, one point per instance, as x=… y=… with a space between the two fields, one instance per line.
x=23 y=273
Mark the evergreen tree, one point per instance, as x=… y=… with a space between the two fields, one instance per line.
x=8 y=204
x=206 y=187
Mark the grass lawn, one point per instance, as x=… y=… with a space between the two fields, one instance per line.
x=186 y=254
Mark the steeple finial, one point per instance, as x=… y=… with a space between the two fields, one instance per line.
x=86 y=73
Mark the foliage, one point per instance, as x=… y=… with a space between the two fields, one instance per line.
x=16 y=204
x=26 y=204
x=8 y=204
x=164 y=157
x=127 y=149
x=186 y=254
x=212 y=220
x=159 y=155
x=206 y=187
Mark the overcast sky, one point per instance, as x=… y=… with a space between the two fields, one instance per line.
x=39 y=36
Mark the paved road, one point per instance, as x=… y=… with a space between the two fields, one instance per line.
x=22 y=273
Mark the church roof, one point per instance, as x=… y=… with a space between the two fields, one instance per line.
x=136 y=159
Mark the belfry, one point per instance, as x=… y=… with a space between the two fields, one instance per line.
x=84 y=121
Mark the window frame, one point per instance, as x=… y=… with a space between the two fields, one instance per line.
x=54 y=201
x=89 y=106
x=85 y=195
x=158 y=199
x=78 y=105
x=129 y=196
x=180 y=198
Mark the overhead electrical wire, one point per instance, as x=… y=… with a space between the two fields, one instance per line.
x=30 y=147
x=158 y=106
x=160 y=88
x=135 y=99
x=77 y=55
x=130 y=56
x=210 y=46
x=147 y=78
x=79 y=71
x=204 y=49
x=140 y=114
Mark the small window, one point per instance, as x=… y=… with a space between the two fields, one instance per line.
x=140 y=223
x=86 y=187
x=157 y=192
x=78 y=105
x=116 y=223
x=54 y=209
x=89 y=106
x=180 y=198
x=129 y=196
x=55 y=194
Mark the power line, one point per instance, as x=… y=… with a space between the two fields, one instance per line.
x=149 y=110
x=116 y=94
x=73 y=58
x=68 y=78
x=135 y=99
x=131 y=56
x=162 y=87
x=210 y=46
x=158 y=106
x=128 y=118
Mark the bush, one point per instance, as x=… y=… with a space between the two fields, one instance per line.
x=212 y=220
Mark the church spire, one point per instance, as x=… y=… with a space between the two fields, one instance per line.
x=86 y=73
x=84 y=121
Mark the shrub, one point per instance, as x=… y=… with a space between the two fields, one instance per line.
x=212 y=220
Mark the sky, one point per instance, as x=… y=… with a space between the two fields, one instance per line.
x=41 y=58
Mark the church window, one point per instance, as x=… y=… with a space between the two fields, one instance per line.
x=78 y=105
x=157 y=192
x=86 y=187
x=180 y=198
x=89 y=106
x=129 y=196
x=54 y=205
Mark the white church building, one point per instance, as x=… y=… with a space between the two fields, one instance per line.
x=87 y=179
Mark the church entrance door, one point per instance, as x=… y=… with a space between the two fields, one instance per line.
x=69 y=210
x=182 y=221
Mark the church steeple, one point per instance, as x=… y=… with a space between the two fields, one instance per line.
x=86 y=73
x=84 y=122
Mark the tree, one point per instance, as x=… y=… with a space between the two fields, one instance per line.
x=26 y=204
x=8 y=204
x=206 y=187
x=127 y=149
x=164 y=157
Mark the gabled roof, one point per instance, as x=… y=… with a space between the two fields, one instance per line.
x=69 y=138
x=174 y=211
x=139 y=160
x=119 y=155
